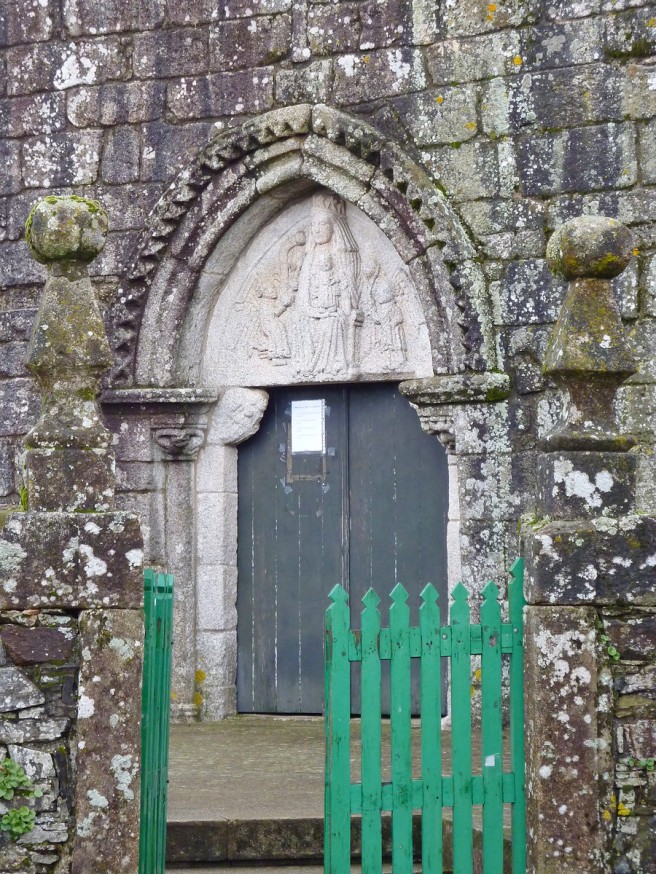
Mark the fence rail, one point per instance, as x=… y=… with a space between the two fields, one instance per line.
x=461 y=790
x=155 y=705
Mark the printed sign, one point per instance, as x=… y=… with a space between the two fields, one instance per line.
x=308 y=426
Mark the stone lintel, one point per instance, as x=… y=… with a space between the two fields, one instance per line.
x=108 y=756
x=568 y=742
x=156 y=399
x=459 y=388
x=578 y=485
x=71 y=561
x=601 y=561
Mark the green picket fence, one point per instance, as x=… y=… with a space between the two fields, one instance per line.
x=434 y=791
x=155 y=703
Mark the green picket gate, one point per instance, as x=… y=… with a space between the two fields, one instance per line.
x=434 y=791
x=155 y=704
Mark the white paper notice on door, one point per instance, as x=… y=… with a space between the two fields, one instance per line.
x=309 y=426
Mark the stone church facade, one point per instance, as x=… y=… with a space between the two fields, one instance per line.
x=308 y=193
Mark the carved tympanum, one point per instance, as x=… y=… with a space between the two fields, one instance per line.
x=321 y=295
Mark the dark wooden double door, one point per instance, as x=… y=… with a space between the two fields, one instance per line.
x=369 y=509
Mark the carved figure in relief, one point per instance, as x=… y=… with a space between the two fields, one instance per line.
x=326 y=302
x=387 y=315
x=270 y=335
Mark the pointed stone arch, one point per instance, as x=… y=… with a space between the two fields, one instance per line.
x=258 y=165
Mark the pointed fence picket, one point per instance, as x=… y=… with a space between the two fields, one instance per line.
x=433 y=791
x=155 y=704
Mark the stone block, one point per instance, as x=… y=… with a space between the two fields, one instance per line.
x=70 y=480
x=120 y=160
x=388 y=23
x=468 y=171
x=562 y=45
x=85 y=16
x=243 y=43
x=216 y=470
x=32 y=114
x=69 y=561
x=551 y=163
x=495 y=216
x=17 y=691
x=29 y=22
x=12 y=359
x=568 y=750
x=108 y=742
x=44 y=66
x=21 y=731
x=576 y=485
x=335 y=29
x=16 y=265
x=642 y=337
x=31 y=646
x=469 y=17
x=165 y=53
x=528 y=294
x=637 y=739
x=486 y=487
x=555 y=99
x=602 y=561
x=385 y=73
x=62 y=159
x=169 y=148
x=116 y=103
x=559 y=9
x=631 y=34
x=217 y=656
x=217 y=530
x=631 y=207
x=647 y=152
x=222 y=94
x=487 y=548
x=216 y=598
x=19 y=402
x=479 y=57
x=447 y=115
x=632 y=631
x=193 y=11
x=298 y=85
x=10 y=175
x=136 y=476
x=7 y=470
x=482 y=428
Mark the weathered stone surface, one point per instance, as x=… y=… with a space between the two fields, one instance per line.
x=108 y=742
x=527 y=294
x=245 y=43
x=632 y=632
x=476 y=16
x=447 y=115
x=312 y=83
x=576 y=485
x=568 y=741
x=550 y=164
x=480 y=57
x=30 y=646
x=381 y=74
x=120 y=160
x=45 y=66
x=632 y=33
x=62 y=159
x=70 y=561
x=116 y=103
x=181 y=52
x=468 y=172
x=601 y=561
x=17 y=691
x=32 y=22
x=66 y=229
x=40 y=114
x=222 y=94
x=83 y=16
x=19 y=731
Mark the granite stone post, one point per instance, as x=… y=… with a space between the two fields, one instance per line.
x=590 y=557
x=71 y=585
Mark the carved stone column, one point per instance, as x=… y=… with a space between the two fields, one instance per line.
x=72 y=561
x=178 y=449
x=587 y=555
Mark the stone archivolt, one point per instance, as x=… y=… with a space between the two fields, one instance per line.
x=324 y=147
